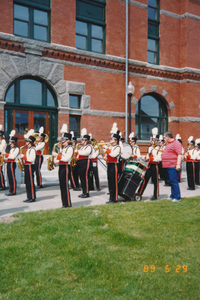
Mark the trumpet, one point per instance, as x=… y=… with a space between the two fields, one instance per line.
x=50 y=159
x=20 y=162
x=36 y=135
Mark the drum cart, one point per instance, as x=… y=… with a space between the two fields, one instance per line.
x=130 y=181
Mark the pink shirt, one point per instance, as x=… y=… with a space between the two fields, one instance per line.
x=170 y=154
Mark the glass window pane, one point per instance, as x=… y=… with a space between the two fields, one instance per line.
x=74 y=101
x=74 y=125
x=21 y=12
x=81 y=42
x=152 y=45
x=147 y=124
x=10 y=94
x=30 y=92
x=53 y=125
x=151 y=57
x=149 y=106
x=40 y=17
x=21 y=28
x=152 y=13
x=97 y=46
x=50 y=99
x=81 y=28
x=97 y=31
x=39 y=120
x=40 y=33
x=152 y=3
x=21 y=122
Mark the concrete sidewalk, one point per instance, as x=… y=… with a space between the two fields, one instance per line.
x=49 y=197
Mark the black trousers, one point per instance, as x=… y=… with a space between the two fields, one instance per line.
x=29 y=181
x=2 y=180
x=96 y=174
x=38 y=165
x=112 y=173
x=190 y=169
x=197 y=172
x=11 y=166
x=152 y=171
x=64 y=185
x=71 y=176
x=83 y=170
x=75 y=175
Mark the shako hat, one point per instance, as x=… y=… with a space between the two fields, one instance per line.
x=84 y=134
x=13 y=138
x=65 y=135
x=41 y=132
x=115 y=132
x=1 y=131
x=191 y=141
x=132 y=137
x=178 y=138
x=155 y=135
x=29 y=136
x=197 y=143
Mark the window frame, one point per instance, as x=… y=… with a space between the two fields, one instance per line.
x=155 y=36
x=92 y=21
x=31 y=7
x=139 y=116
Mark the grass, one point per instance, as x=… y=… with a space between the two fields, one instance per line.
x=100 y=252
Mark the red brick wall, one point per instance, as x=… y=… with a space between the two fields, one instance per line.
x=63 y=21
x=6 y=16
x=62 y=119
x=2 y=118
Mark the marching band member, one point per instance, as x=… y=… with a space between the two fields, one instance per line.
x=190 y=169
x=39 y=157
x=160 y=147
x=111 y=156
x=2 y=148
x=83 y=163
x=74 y=165
x=178 y=138
x=135 y=155
x=71 y=174
x=94 y=159
x=121 y=161
x=197 y=162
x=63 y=159
x=152 y=167
x=10 y=159
x=29 y=164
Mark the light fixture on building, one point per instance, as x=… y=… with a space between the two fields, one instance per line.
x=130 y=90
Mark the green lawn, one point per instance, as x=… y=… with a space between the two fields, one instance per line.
x=102 y=252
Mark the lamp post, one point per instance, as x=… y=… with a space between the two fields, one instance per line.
x=130 y=90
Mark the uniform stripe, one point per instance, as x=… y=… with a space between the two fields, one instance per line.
x=31 y=180
x=3 y=186
x=67 y=186
x=40 y=159
x=87 y=182
x=13 y=178
x=116 y=182
x=72 y=176
x=157 y=192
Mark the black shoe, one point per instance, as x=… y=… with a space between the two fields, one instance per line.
x=98 y=189
x=84 y=196
x=2 y=189
x=153 y=198
x=10 y=194
x=76 y=189
x=39 y=186
x=27 y=200
x=31 y=200
x=80 y=195
x=167 y=184
x=190 y=189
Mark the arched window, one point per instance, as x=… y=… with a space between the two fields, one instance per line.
x=30 y=104
x=151 y=112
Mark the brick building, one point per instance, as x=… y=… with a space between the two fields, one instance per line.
x=69 y=61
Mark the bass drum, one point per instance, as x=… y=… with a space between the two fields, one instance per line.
x=126 y=151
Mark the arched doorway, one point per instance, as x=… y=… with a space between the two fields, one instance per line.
x=30 y=104
x=151 y=111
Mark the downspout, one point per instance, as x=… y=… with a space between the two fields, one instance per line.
x=126 y=75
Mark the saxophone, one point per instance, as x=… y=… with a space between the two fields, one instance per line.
x=20 y=162
x=74 y=157
x=50 y=159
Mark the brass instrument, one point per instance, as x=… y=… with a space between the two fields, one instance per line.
x=74 y=157
x=20 y=162
x=36 y=135
x=50 y=159
x=1 y=160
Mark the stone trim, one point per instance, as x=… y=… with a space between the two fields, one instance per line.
x=177 y=16
x=184 y=119
x=136 y=3
x=101 y=113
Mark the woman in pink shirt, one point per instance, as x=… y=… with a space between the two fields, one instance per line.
x=171 y=160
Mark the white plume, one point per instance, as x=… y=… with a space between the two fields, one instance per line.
x=12 y=133
x=64 y=128
x=29 y=133
x=114 y=128
x=41 y=130
x=190 y=139
x=72 y=133
x=0 y=127
x=197 y=141
x=90 y=135
x=131 y=135
x=160 y=137
x=83 y=131
x=178 y=137
x=155 y=131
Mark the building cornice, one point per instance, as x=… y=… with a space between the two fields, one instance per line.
x=180 y=17
x=13 y=44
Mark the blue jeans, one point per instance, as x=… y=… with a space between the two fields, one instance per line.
x=173 y=179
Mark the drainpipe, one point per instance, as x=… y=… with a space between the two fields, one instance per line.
x=126 y=75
